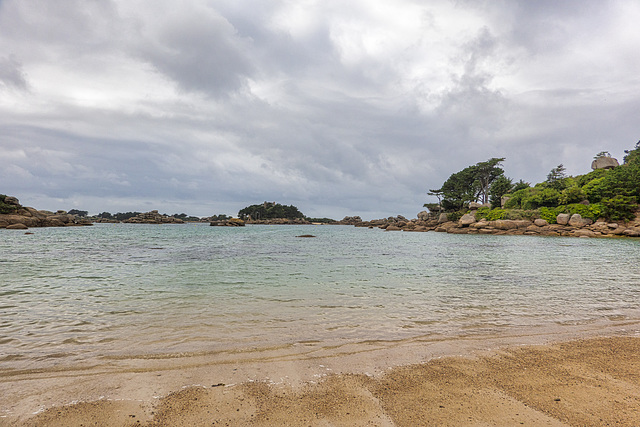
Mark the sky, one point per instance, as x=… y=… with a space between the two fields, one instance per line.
x=337 y=107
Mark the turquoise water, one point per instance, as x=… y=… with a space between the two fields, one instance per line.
x=73 y=294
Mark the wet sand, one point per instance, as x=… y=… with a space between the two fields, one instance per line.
x=582 y=378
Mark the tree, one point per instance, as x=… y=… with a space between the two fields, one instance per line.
x=632 y=156
x=78 y=213
x=520 y=185
x=602 y=154
x=486 y=173
x=500 y=186
x=556 y=178
x=270 y=211
x=438 y=194
x=470 y=184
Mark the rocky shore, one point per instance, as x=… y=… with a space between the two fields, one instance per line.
x=23 y=217
x=566 y=225
x=153 y=217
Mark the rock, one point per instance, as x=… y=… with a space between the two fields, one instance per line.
x=504 y=224
x=604 y=162
x=350 y=220
x=475 y=206
x=563 y=219
x=53 y=222
x=393 y=228
x=576 y=220
x=584 y=233
x=17 y=226
x=612 y=225
x=504 y=200
x=306 y=235
x=467 y=220
x=423 y=216
x=483 y=223
x=10 y=200
x=233 y=222
x=153 y=217
x=443 y=218
x=629 y=232
x=540 y=222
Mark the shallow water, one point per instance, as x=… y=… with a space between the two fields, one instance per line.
x=76 y=294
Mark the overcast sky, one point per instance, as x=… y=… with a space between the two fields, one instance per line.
x=338 y=107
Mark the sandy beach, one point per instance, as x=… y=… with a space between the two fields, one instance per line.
x=589 y=377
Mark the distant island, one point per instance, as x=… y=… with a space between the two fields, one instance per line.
x=479 y=199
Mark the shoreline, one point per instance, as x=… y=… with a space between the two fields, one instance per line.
x=370 y=382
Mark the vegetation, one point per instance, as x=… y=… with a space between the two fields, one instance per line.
x=76 y=212
x=185 y=217
x=471 y=184
x=4 y=207
x=270 y=210
x=490 y=214
x=120 y=216
x=321 y=220
x=220 y=217
x=603 y=193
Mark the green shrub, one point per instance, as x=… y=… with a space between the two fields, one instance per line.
x=455 y=216
x=593 y=190
x=548 y=214
x=621 y=181
x=515 y=198
x=620 y=208
x=592 y=212
x=520 y=214
x=5 y=208
x=490 y=214
x=572 y=195
x=582 y=180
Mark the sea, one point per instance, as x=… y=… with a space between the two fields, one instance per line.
x=81 y=294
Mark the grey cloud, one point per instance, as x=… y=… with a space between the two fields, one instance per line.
x=200 y=51
x=12 y=74
x=332 y=136
x=37 y=27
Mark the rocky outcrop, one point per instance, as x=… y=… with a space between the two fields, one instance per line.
x=22 y=217
x=350 y=220
x=424 y=216
x=153 y=217
x=568 y=225
x=604 y=162
x=232 y=222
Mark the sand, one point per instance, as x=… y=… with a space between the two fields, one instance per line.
x=592 y=381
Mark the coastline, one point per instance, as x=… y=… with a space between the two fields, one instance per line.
x=586 y=375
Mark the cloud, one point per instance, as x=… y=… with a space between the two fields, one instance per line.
x=195 y=46
x=11 y=74
x=339 y=108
